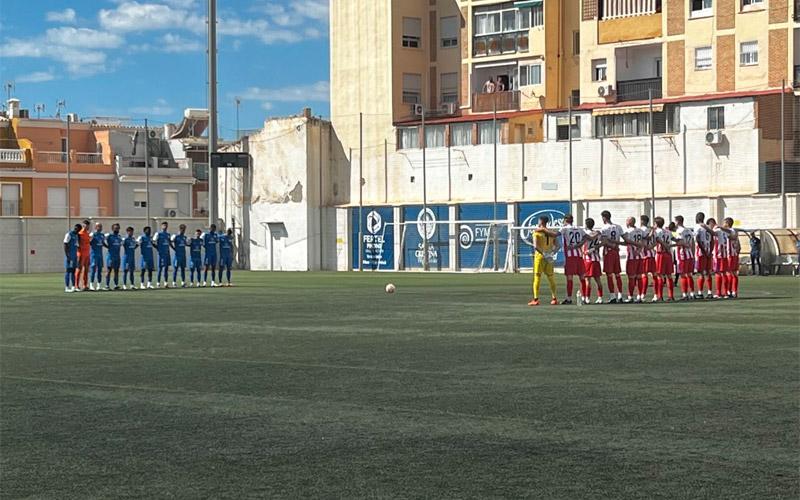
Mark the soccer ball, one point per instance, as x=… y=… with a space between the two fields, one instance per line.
x=390 y=288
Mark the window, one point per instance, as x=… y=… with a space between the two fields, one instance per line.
x=434 y=136
x=89 y=202
x=563 y=129
x=170 y=199
x=748 y=53
x=575 y=97
x=449 y=29
x=449 y=90
x=485 y=135
x=638 y=124
x=537 y=15
x=412 y=88
x=576 y=43
x=56 y=202
x=716 y=118
x=9 y=199
x=747 y=3
x=673 y=112
x=461 y=134
x=530 y=74
x=599 y=70
x=409 y=137
x=140 y=198
x=702 y=8
x=412 y=32
x=657 y=66
x=702 y=58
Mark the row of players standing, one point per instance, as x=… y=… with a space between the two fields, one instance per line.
x=658 y=252
x=84 y=251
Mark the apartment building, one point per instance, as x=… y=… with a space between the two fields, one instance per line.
x=34 y=165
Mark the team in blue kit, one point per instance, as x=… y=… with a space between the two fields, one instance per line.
x=207 y=251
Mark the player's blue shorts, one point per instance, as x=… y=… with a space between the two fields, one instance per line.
x=130 y=262
x=210 y=259
x=178 y=260
x=226 y=260
x=163 y=260
x=112 y=261
x=196 y=263
x=70 y=262
x=146 y=264
x=96 y=260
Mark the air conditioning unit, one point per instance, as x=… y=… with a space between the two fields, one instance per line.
x=449 y=108
x=163 y=162
x=417 y=109
x=714 y=137
x=171 y=213
x=153 y=134
x=605 y=90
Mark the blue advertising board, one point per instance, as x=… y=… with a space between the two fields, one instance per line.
x=528 y=216
x=473 y=237
x=438 y=237
x=377 y=238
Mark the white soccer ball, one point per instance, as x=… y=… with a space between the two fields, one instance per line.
x=390 y=288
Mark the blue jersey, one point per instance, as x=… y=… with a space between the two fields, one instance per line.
x=162 y=239
x=96 y=241
x=146 y=247
x=196 y=248
x=130 y=244
x=179 y=245
x=210 y=243
x=114 y=243
x=225 y=245
x=71 y=240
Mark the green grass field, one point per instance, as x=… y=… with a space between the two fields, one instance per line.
x=321 y=385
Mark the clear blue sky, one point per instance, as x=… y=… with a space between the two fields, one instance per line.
x=146 y=58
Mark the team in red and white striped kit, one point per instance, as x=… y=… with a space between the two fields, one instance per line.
x=655 y=253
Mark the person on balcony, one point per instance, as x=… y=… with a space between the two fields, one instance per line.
x=500 y=87
x=489 y=86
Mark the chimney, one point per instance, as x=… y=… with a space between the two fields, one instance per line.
x=13 y=108
x=307 y=113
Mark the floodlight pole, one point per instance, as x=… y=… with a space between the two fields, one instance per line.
x=783 y=155
x=494 y=160
x=425 y=259
x=213 y=181
x=69 y=180
x=652 y=162
x=146 y=172
x=569 y=138
x=360 y=191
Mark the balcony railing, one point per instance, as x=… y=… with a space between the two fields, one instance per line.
x=638 y=90
x=500 y=101
x=501 y=43
x=614 y=9
x=60 y=157
x=12 y=156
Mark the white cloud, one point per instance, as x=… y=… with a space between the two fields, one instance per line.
x=175 y=43
x=66 y=16
x=36 y=77
x=79 y=61
x=160 y=108
x=137 y=17
x=83 y=38
x=314 y=92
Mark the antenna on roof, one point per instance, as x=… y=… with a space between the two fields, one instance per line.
x=60 y=104
x=9 y=87
x=39 y=108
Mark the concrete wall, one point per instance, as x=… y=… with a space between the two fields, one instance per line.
x=126 y=193
x=35 y=244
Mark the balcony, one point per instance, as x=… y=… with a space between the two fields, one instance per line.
x=499 y=101
x=134 y=166
x=797 y=76
x=499 y=44
x=615 y=9
x=61 y=157
x=14 y=156
x=638 y=90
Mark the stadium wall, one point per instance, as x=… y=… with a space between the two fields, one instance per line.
x=35 y=244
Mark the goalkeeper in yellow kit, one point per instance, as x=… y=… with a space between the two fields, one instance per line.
x=545 y=248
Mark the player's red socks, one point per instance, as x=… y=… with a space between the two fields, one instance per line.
x=585 y=288
x=720 y=284
x=569 y=287
x=670 y=287
x=700 y=283
x=708 y=282
x=685 y=284
x=658 y=286
x=619 y=284
x=734 y=284
x=631 y=285
x=610 y=279
x=644 y=283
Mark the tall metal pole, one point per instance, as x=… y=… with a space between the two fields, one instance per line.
x=494 y=161
x=652 y=162
x=783 y=155
x=424 y=218
x=569 y=137
x=319 y=187
x=146 y=172
x=360 y=191
x=69 y=180
x=213 y=181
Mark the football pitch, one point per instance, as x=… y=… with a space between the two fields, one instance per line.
x=321 y=385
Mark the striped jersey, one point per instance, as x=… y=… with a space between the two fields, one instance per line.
x=591 y=250
x=686 y=236
x=720 y=243
x=611 y=232
x=649 y=239
x=703 y=238
x=734 y=247
x=634 y=234
x=664 y=238
x=573 y=237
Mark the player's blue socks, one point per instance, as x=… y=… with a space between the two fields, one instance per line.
x=69 y=277
x=228 y=274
